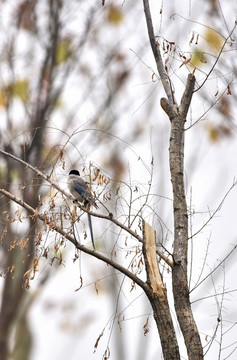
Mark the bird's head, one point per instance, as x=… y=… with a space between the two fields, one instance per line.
x=74 y=172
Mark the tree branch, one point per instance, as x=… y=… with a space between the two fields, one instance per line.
x=158 y=296
x=47 y=178
x=101 y=216
x=187 y=96
x=54 y=227
x=157 y=55
x=218 y=57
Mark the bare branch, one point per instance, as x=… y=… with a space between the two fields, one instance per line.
x=218 y=57
x=157 y=55
x=216 y=210
x=47 y=178
x=101 y=216
x=187 y=96
x=165 y=258
x=46 y=220
x=217 y=267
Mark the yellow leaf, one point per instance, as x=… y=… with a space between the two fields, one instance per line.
x=3 y=100
x=213 y=133
x=20 y=88
x=215 y=41
x=198 y=59
x=115 y=15
x=63 y=51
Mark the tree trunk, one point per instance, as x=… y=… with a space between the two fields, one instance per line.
x=180 y=254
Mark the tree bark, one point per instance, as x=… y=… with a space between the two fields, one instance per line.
x=157 y=295
x=180 y=254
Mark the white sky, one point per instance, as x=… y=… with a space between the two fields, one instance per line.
x=67 y=323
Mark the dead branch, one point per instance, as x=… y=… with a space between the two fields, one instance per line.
x=48 y=221
x=157 y=54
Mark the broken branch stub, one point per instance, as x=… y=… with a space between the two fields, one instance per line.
x=154 y=278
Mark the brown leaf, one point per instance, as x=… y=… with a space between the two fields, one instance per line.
x=228 y=90
x=191 y=40
x=213 y=133
x=197 y=38
x=185 y=62
x=146 y=327
x=98 y=339
x=80 y=285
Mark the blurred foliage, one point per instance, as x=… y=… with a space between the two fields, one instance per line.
x=63 y=51
x=115 y=15
x=19 y=89
x=198 y=59
x=213 y=39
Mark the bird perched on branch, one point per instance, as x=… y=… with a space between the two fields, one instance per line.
x=81 y=192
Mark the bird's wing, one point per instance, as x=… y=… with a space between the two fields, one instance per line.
x=85 y=194
x=81 y=191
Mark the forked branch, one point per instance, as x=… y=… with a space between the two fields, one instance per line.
x=157 y=54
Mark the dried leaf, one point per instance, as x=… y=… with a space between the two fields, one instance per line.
x=185 y=62
x=80 y=285
x=192 y=38
x=197 y=38
x=96 y=289
x=106 y=355
x=146 y=327
x=213 y=133
x=133 y=286
x=115 y=15
x=3 y=234
x=98 y=339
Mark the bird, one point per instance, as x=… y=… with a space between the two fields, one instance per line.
x=81 y=192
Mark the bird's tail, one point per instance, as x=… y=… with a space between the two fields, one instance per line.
x=91 y=231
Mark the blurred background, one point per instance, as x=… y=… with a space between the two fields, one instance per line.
x=79 y=89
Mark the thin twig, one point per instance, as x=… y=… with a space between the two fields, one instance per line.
x=215 y=211
x=157 y=54
x=218 y=57
x=101 y=216
x=47 y=178
x=217 y=267
x=46 y=220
